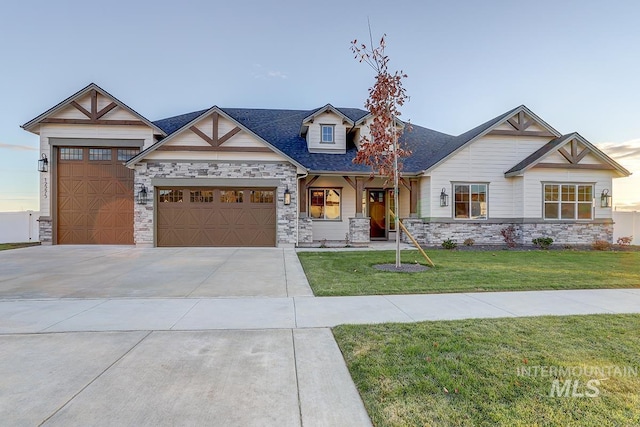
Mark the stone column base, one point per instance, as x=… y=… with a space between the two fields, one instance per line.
x=359 y=230
x=45 y=230
x=305 y=230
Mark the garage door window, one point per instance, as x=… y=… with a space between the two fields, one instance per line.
x=201 y=196
x=261 y=196
x=71 y=154
x=231 y=196
x=170 y=196
x=126 y=154
x=100 y=154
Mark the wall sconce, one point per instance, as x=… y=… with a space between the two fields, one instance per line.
x=605 y=199
x=43 y=164
x=444 y=198
x=142 y=195
x=287 y=196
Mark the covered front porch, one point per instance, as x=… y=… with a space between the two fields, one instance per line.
x=351 y=210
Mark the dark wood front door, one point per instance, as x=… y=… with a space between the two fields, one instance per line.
x=377 y=213
x=94 y=196
x=216 y=217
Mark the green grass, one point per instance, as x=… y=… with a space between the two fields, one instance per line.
x=6 y=246
x=351 y=273
x=469 y=373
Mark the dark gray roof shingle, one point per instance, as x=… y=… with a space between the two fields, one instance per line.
x=281 y=129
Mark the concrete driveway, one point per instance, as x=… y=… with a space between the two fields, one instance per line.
x=119 y=336
x=128 y=272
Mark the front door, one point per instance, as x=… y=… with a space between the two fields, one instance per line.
x=378 y=214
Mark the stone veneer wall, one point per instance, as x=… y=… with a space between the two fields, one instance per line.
x=305 y=230
x=416 y=227
x=45 y=230
x=434 y=233
x=285 y=172
x=359 y=230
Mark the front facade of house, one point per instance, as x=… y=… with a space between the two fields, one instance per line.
x=250 y=177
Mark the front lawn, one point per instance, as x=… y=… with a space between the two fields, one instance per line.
x=333 y=273
x=6 y=246
x=498 y=372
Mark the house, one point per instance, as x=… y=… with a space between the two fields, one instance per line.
x=260 y=177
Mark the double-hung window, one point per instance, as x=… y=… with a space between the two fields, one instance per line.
x=324 y=203
x=470 y=201
x=568 y=201
x=327 y=134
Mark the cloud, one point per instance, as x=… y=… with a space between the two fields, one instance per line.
x=261 y=73
x=17 y=147
x=629 y=150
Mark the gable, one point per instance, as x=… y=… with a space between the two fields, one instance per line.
x=568 y=152
x=212 y=135
x=523 y=123
x=90 y=106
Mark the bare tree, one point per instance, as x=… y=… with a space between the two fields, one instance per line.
x=382 y=150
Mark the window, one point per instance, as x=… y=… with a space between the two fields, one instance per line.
x=201 y=196
x=231 y=196
x=170 y=196
x=71 y=154
x=568 y=201
x=324 y=203
x=327 y=134
x=100 y=154
x=126 y=154
x=470 y=201
x=261 y=196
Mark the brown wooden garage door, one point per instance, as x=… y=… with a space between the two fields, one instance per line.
x=216 y=217
x=94 y=196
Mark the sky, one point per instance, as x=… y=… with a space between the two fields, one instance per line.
x=574 y=63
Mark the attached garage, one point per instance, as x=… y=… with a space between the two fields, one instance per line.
x=208 y=216
x=94 y=195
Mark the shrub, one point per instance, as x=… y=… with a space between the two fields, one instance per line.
x=625 y=241
x=542 y=242
x=469 y=242
x=449 y=244
x=601 y=245
x=509 y=235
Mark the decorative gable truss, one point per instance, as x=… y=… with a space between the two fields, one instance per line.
x=91 y=106
x=570 y=151
x=523 y=123
x=215 y=130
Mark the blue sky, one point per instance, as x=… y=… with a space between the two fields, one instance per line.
x=574 y=63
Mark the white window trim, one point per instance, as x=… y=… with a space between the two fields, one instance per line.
x=338 y=189
x=333 y=133
x=576 y=202
x=453 y=201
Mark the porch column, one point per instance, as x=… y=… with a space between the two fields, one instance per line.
x=414 y=190
x=359 y=191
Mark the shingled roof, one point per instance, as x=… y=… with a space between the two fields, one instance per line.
x=281 y=129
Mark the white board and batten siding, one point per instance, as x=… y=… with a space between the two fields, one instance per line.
x=314 y=134
x=485 y=161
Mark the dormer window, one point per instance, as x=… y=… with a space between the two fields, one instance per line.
x=328 y=133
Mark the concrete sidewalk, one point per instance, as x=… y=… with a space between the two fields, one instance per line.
x=219 y=361
x=183 y=314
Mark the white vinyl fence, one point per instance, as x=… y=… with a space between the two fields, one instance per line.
x=18 y=227
x=626 y=224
